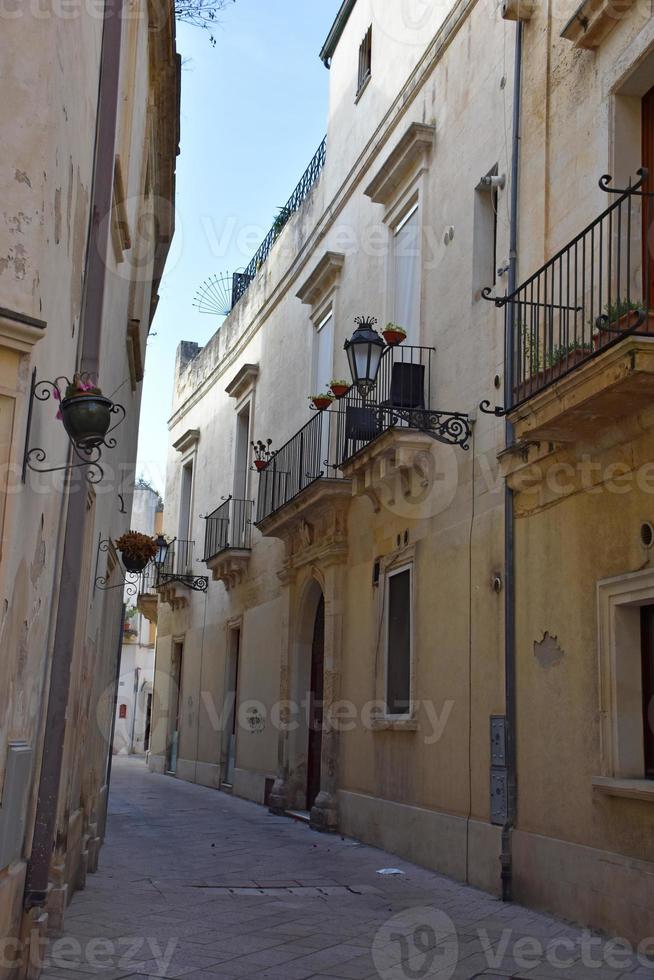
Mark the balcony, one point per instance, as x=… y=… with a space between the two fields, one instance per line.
x=581 y=328
x=242 y=280
x=147 y=601
x=228 y=541
x=176 y=577
x=345 y=449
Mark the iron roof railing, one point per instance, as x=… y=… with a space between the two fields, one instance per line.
x=241 y=280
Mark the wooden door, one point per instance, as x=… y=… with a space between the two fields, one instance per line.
x=316 y=706
x=647 y=637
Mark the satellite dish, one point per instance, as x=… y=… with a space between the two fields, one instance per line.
x=215 y=295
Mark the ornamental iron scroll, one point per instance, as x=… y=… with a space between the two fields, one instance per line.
x=86 y=456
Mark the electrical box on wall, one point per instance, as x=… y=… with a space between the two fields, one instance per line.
x=499 y=776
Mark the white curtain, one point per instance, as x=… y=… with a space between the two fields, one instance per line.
x=406 y=276
x=323 y=354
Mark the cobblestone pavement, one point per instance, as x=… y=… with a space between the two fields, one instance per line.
x=196 y=884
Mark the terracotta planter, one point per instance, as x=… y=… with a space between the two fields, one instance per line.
x=393 y=337
x=604 y=336
x=87 y=419
x=261 y=464
x=322 y=403
x=340 y=391
x=545 y=377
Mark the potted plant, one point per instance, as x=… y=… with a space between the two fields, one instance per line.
x=393 y=334
x=281 y=219
x=262 y=454
x=84 y=411
x=322 y=401
x=618 y=318
x=137 y=550
x=339 y=387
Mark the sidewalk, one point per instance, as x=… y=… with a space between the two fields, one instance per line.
x=197 y=884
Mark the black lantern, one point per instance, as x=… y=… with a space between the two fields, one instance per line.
x=364 y=353
x=162 y=551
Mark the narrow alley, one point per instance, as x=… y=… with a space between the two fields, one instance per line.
x=197 y=884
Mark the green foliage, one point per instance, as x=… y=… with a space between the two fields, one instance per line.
x=281 y=219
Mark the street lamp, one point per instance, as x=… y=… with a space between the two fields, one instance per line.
x=162 y=551
x=364 y=351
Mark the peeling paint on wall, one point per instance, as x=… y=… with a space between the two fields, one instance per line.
x=547 y=651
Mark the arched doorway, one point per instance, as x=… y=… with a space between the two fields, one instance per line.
x=316 y=697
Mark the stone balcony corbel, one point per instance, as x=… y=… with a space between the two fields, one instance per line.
x=230 y=567
x=313 y=526
x=389 y=465
x=148 y=605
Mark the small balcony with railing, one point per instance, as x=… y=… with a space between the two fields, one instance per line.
x=228 y=541
x=177 y=577
x=580 y=330
x=346 y=448
x=147 y=600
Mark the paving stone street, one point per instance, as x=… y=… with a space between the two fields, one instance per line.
x=194 y=883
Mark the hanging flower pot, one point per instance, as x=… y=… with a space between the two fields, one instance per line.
x=339 y=388
x=261 y=465
x=137 y=551
x=393 y=335
x=322 y=402
x=85 y=413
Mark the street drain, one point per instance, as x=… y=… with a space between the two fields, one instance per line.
x=327 y=891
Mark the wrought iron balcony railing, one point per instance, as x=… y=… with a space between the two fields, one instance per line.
x=230 y=526
x=148 y=581
x=178 y=567
x=401 y=398
x=241 y=280
x=588 y=297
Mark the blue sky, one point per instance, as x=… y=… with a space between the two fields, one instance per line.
x=254 y=110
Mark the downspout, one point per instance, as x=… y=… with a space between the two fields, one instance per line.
x=509 y=519
x=38 y=870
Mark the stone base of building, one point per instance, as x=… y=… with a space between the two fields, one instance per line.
x=12 y=884
x=250 y=785
x=446 y=843
x=592 y=887
x=202 y=773
x=157 y=763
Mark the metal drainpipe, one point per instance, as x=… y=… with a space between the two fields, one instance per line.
x=38 y=870
x=509 y=523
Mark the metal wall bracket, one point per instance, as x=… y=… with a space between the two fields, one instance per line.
x=488 y=409
x=129 y=581
x=197 y=583
x=88 y=458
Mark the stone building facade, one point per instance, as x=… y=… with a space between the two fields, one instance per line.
x=408 y=639
x=133 y=714
x=87 y=176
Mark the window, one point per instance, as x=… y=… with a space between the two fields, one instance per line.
x=186 y=495
x=123 y=711
x=398 y=642
x=242 y=455
x=365 y=62
x=323 y=348
x=484 y=253
x=406 y=274
x=647 y=649
x=323 y=359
